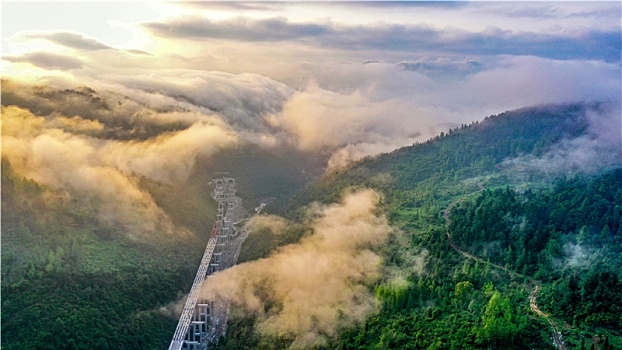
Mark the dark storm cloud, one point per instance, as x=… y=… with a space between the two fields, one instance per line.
x=602 y=45
x=47 y=60
x=72 y=40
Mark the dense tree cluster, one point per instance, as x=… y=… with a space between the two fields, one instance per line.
x=562 y=234
x=69 y=281
x=470 y=151
x=569 y=235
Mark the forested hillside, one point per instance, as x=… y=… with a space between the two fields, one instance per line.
x=466 y=303
x=460 y=280
x=468 y=151
x=512 y=229
x=72 y=276
x=569 y=235
x=70 y=282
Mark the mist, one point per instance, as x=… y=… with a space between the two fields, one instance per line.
x=598 y=148
x=103 y=175
x=310 y=290
x=125 y=110
x=339 y=90
x=276 y=224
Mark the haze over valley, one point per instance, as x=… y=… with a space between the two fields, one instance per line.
x=422 y=169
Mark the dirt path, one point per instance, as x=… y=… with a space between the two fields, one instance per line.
x=468 y=255
x=557 y=335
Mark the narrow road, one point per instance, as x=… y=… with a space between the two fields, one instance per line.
x=557 y=335
x=468 y=255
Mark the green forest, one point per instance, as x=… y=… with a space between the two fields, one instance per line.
x=521 y=230
x=465 y=303
x=493 y=237
x=73 y=281
x=81 y=284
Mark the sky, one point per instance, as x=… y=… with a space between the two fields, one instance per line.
x=344 y=79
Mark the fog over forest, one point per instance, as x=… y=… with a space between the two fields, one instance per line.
x=114 y=115
x=304 y=77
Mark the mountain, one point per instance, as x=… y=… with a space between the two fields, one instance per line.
x=524 y=211
x=498 y=210
x=469 y=151
x=92 y=257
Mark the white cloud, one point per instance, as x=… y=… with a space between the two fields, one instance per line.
x=320 y=284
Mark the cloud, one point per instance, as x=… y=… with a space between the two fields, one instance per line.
x=76 y=124
x=87 y=47
x=599 y=147
x=236 y=6
x=103 y=174
x=67 y=162
x=319 y=119
x=550 y=10
x=434 y=79
x=356 y=151
x=406 y=4
x=579 y=256
x=276 y=224
x=138 y=52
x=341 y=112
x=241 y=99
x=173 y=309
x=123 y=114
x=318 y=286
x=47 y=60
x=414 y=38
x=356 y=110
x=533 y=81
x=170 y=157
x=239 y=28
x=69 y=39
x=441 y=66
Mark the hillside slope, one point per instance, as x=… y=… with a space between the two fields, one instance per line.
x=492 y=174
x=469 y=151
x=74 y=250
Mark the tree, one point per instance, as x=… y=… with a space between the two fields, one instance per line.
x=463 y=290
x=497 y=322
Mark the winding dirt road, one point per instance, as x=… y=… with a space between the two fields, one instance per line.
x=557 y=335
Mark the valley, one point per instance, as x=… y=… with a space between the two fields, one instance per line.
x=437 y=273
x=344 y=175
